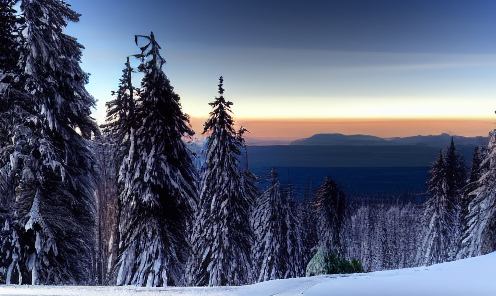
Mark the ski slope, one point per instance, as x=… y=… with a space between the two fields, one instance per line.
x=474 y=276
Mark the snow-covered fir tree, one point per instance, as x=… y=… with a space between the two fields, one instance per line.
x=438 y=223
x=222 y=236
x=476 y=172
x=442 y=214
x=476 y=168
x=157 y=182
x=121 y=121
x=49 y=174
x=455 y=172
x=479 y=235
x=330 y=211
x=277 y=249
x=112 y=148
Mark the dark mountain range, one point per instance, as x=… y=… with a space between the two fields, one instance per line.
x=361 y=164
x=438 y=141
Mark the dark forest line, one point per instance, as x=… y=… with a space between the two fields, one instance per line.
x=348 y=156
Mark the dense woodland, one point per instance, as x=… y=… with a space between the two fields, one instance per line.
x=136 y=201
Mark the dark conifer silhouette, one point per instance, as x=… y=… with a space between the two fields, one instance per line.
x=442 y=215
x=113 y=147
x=277 y=248
x=157 y=179
x=476 y=170
x=330 y=210
x=479 y=235
x=222 y=236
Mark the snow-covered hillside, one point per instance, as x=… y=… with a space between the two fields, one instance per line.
x=474 y=276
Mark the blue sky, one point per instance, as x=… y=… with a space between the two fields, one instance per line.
x=304 y=59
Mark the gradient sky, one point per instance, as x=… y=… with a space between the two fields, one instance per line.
x=330 y=60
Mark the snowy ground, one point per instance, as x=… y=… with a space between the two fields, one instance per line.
x=474 y=276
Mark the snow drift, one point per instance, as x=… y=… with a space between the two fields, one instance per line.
x=473 y=276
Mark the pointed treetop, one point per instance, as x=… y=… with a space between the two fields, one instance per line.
x=220 y=117
x=156 y=60
x=221 y=83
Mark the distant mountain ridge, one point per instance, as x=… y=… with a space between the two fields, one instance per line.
x=438 y=141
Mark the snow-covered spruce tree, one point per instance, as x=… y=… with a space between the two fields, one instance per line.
x=112 y=148
x=441 y=219
x=330 y=210
x=222 y=236
x=479 y=235
x=474 y=176
x=121 y=119
x=472 y=182
x=51 y=163
x=277 y=246
x=476 y=170
x=157 y=183
x=455 y=173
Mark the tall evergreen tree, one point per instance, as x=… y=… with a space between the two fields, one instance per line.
x=472 y=183
x=277 y=245
x=50 y=174
x=455 y=173
x=442 y=212
x=479 y=235
x=476 y=170
x=157 y=182
x=221 y=236
x=330 y=210
x=121 y=121
x=118 y=131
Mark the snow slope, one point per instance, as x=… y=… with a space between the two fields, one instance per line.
x=474 y=276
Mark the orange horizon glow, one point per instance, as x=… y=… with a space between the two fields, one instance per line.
x=385 y=128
